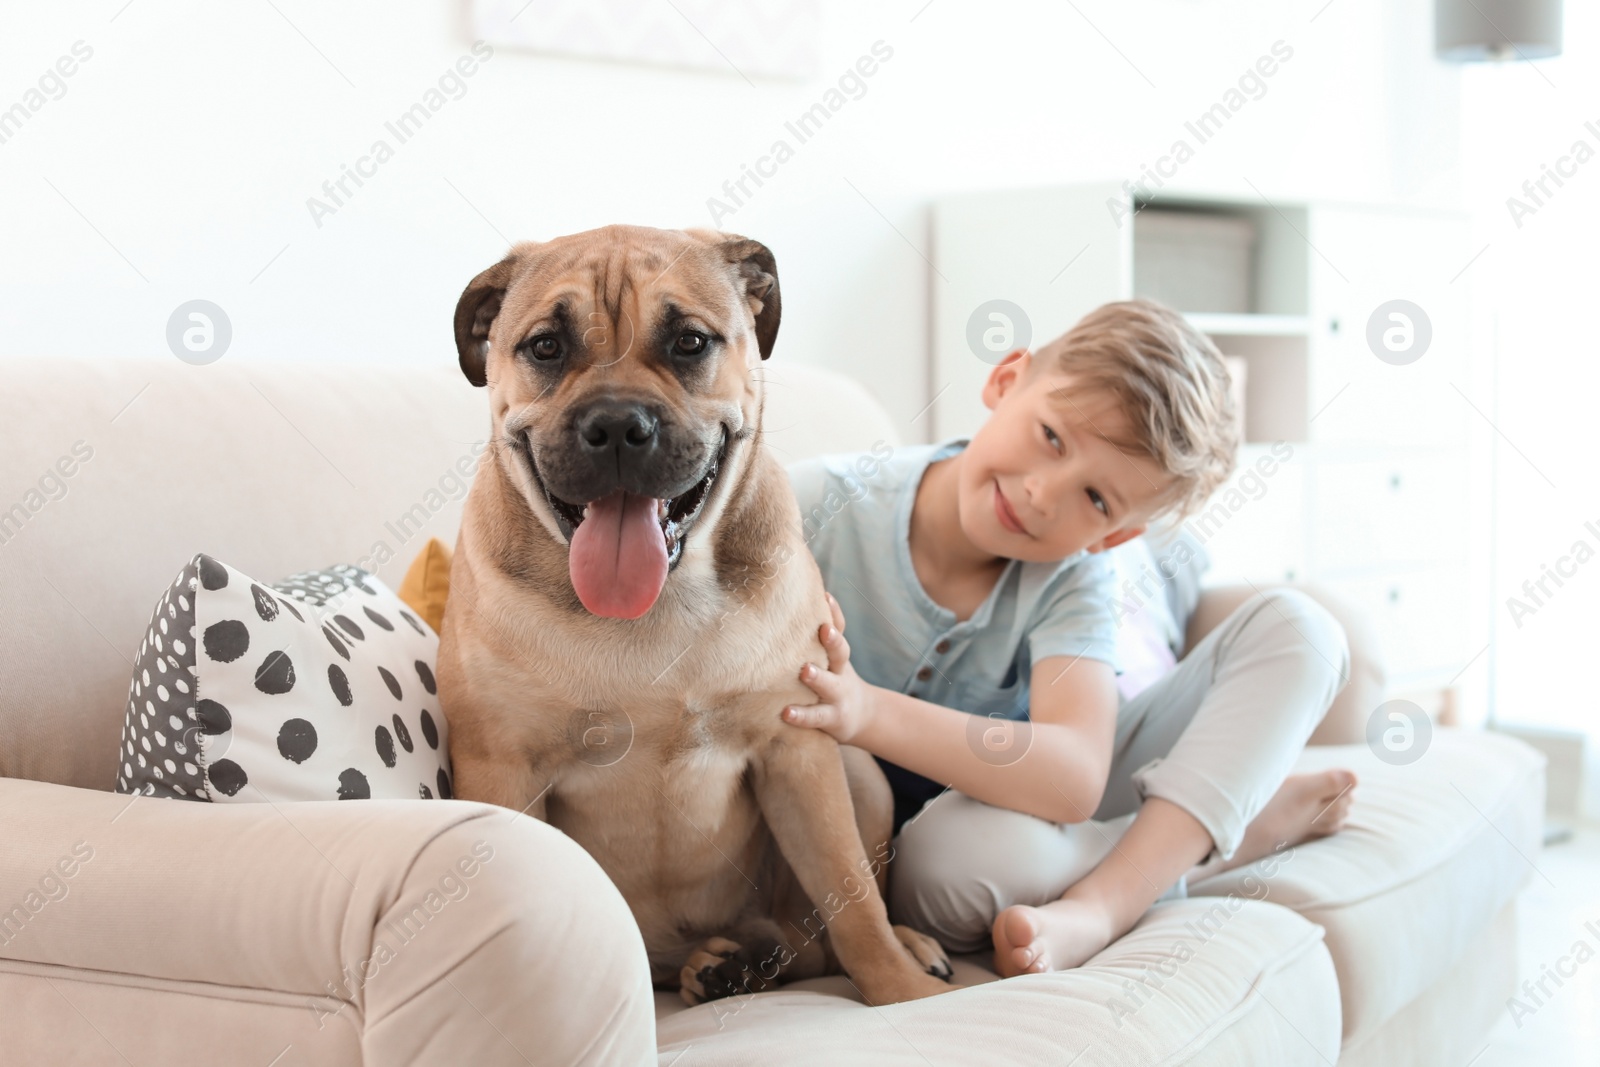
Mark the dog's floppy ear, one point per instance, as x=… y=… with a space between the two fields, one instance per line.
x=479 y=304
x=759 y=270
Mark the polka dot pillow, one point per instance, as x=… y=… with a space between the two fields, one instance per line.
x=318 y=687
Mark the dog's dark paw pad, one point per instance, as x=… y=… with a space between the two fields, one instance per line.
x=726 y=979
x=928 y=953
x=939 y=968
x=722 y=968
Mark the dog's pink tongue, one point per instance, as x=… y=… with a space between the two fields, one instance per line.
x=618 y=556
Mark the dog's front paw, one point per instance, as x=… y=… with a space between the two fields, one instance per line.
x=722 y=968
x=928 y=953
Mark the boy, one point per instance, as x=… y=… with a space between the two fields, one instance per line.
x=982 y=654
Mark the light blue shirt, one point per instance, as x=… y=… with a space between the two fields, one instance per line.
x=856 y=512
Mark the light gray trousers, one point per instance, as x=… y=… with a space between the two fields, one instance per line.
x=1216 y=736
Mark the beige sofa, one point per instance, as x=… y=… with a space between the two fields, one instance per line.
x=245 y=935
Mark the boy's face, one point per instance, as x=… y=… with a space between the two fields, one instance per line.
x=1045 y=466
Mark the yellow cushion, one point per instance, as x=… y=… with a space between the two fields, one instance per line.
x=427 y=582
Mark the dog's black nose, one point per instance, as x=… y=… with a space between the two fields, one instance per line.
x=605 y=425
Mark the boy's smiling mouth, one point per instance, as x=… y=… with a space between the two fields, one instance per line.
x=1003 y=511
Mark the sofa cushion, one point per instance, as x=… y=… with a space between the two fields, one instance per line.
x=1448 y=1025
x=426 y=586
x=1196 y=982
x=1431 y=853
x=317 y=687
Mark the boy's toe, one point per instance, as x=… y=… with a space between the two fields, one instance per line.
x=1018 y=945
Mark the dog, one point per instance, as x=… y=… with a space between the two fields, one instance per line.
x=631 y=599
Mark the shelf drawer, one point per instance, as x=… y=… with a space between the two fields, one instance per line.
x=1422 y=618
x=1398 y=510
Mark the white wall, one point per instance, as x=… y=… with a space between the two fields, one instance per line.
x=1539 y=280
x=194 y=136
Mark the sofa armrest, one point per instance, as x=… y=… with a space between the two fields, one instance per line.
x=1346 y=720
x=447 y=931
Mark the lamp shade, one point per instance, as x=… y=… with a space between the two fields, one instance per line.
x=1471 y=31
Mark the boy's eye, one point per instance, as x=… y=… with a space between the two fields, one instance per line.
x=1099 y=501
x=1050 y=435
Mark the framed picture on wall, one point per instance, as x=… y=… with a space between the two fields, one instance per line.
x=747 y=38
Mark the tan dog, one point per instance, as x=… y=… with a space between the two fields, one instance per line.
x=631 y=599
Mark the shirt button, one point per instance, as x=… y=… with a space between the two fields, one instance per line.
x=942 y=647
x=924 y=674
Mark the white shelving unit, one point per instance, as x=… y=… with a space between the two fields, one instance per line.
x=1250 y=325
x=1378 y=498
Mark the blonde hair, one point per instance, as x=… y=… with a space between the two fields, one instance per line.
x=1171 y=384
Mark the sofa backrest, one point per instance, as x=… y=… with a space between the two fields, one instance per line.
x=116 y=471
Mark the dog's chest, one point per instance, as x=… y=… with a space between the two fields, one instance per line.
x=647 y=816
x=655 y=745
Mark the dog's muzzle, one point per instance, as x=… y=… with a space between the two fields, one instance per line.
x=623 y=512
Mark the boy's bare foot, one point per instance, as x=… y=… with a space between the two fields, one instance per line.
x=1305 y=807
x=1053 y=937
x=1065 y=933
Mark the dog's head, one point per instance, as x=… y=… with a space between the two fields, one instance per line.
x=618 y=363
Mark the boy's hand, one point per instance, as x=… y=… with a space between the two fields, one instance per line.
x=845 y=705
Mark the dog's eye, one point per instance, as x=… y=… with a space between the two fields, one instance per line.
x=690 y=344
x=545 y=347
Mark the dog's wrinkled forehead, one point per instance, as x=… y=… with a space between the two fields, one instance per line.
x=678 y=297
x=609 y=289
